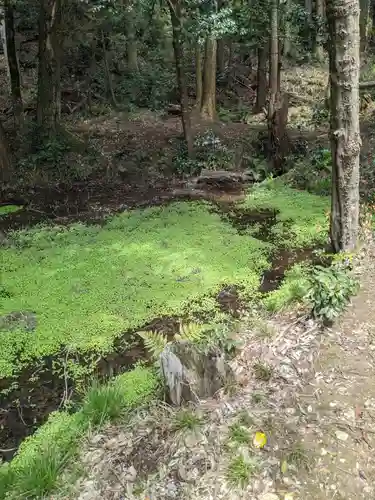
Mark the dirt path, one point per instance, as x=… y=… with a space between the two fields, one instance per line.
x=340 y=404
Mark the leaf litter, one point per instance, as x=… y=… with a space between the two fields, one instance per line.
x=315 y=418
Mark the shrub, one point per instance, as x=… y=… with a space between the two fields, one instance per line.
x=330 y=290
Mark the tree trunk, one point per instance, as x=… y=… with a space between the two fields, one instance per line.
x=287 y=31
x=343 y=20
x=109 y=84
x=177 y=32
x=262 y=84
x=208 y=109
x=274 y=61
x=220 y=56
x=132 y=45
x=363 y=23
x=198 y=77
x=309 y=14
x=50 y=42
x=319 y=50
x=14 y=72
x=5 y=163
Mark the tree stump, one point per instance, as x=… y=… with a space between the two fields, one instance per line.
x=190 y=374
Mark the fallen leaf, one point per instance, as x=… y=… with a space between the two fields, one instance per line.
x=289 y=496
x=284 y=466
x=341 y=435
x=260 y=440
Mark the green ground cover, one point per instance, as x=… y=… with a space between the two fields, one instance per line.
x=88 y=284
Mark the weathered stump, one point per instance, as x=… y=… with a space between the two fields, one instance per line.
x=190 y=374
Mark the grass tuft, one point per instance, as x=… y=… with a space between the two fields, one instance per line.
x=263 y=371
x=241 y=470
x=187 y=420
x=239 y=434
x=35 y=469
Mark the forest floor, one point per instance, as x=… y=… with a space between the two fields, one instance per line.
x=317 y=410
x=308 y=390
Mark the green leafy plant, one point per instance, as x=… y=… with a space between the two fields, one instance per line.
x=330 y=290
x=239 y=433
x=187 y=420
x=156 y=342
x=241 y=470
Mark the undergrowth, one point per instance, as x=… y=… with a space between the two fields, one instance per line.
x=41 y=458
x=87 y=284
x=301 y=218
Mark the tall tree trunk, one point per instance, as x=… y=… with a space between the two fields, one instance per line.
x=274 y=61
x=107 y=68
x=176 y=13
x=319 y=50
x=343 y=20
x=4 y=40
x=132 y=45
x=363 y=23
x=198 y=77
x=5 y=163
x=208 y=109
x=50 y=41
x=262 y=83
x=309 y=16
x=14 y=72
x=220 y=59
x=287 y=31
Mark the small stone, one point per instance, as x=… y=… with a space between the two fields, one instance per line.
x=269 y=496
x=131 y=474
x=342 y=436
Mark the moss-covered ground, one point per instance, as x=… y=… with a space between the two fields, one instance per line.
x=86 y=285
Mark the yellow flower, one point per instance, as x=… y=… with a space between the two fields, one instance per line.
x=260 y=440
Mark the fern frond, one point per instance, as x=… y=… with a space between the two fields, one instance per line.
x=192 y=332
x=155 y=342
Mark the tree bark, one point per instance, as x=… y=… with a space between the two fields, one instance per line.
x=363 y=23
x=343 y=20
x=132 y=45
x=5 y=162
x=50 y=45
x=309 y=13
x=198 y=77
x=176 y=13
x=262 y=83
x=107 y=69
x=14 y=71
x=220 y=56
x=319 y=50
x=208 y=109
x=274 y=61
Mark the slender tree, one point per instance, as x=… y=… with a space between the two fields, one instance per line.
x=49 y=73
x=344 y=56
x=262 y=83
x=208 y=108
x=198 y=76
x=5 y=163
x=11 y=52
x=363 y=23
x=274 y=60
x=177 y=12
